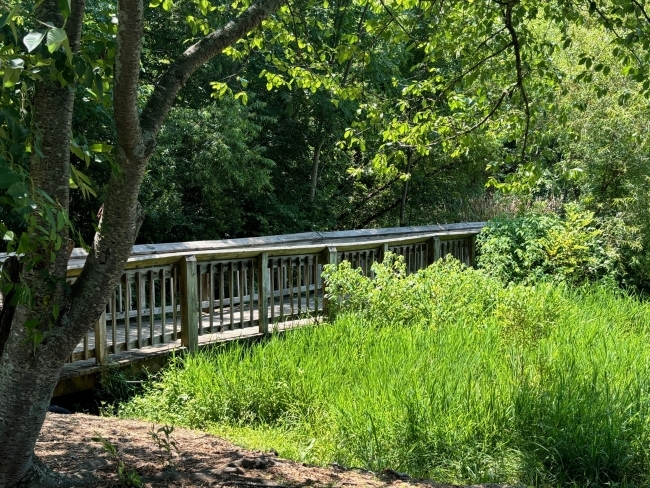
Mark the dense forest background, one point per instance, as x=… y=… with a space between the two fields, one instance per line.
x=416 y=126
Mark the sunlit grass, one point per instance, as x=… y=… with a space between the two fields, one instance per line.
x=544 y=386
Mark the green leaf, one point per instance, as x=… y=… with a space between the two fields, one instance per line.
x=33 y=39
x=31 y=324
x=8 y=178
x=9 y=15
x=101 y=148
x=244 y=97
x=65 y=8
x=55 y=38
x=18 y=190
x=99 y=86
x=8 y=236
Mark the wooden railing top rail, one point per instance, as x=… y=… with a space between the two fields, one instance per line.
x=145 y=255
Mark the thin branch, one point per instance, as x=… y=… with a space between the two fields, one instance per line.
x=475 y=126
x=397 y=21
x=608 y=22
x=645 y=14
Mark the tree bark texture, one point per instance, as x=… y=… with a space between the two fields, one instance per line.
x=28 y=372
x=314 y=167
x=405 y=190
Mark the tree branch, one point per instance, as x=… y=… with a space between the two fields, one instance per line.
x=194 y=57
x=645 y=14
x=519 y=69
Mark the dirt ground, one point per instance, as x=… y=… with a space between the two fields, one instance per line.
x=201 y=460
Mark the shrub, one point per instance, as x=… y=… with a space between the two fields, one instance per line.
x=543 y=245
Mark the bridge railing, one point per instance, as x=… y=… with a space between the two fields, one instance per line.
x=184 y=294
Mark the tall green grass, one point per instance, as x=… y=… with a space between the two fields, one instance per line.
x=444 y=374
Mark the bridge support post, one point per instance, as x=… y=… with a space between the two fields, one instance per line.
x=263 y=292
x=472 y=251
x=384 y=250
x=189 y=304
x=100 y=338
x=331 y=257
x=433 y=249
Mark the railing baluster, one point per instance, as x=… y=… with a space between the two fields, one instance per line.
x=220 y=271
x=231 y=288
x=173 y=284
x=114 y=322
x=163 y=306
x=139 y=299
x=290 y=271
x=271 y=280
x=211 y=296
x=240 y=281
x=316 y=287
x=152 y=304
x=307 y=281
x=299 y=287
x=283 y=283
x=200 y=294
x=251 y=290
x=127 y=310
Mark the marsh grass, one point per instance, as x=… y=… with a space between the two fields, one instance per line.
x=461 y=380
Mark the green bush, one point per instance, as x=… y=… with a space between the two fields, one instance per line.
x=535 y=245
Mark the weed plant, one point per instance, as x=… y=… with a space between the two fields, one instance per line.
x=443 y=374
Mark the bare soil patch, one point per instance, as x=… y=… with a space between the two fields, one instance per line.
x=66 y=444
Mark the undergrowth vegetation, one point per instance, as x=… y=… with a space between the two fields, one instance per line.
x=444 y=374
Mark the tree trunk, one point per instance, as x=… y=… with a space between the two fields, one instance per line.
x=29 y=370
x=26 y=385
x=314 y=167
x=405 y=189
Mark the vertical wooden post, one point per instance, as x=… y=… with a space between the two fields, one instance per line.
x=189 y=304
x=331 y=257
x=100 y=338
x=472 y=251
x=263 y=292
x=433 y=250
x=384 y=251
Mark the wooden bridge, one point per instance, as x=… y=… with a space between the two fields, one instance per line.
x=187 y=295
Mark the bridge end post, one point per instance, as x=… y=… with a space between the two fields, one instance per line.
x=263 y=292
x=330 y=257
x=189 y=303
